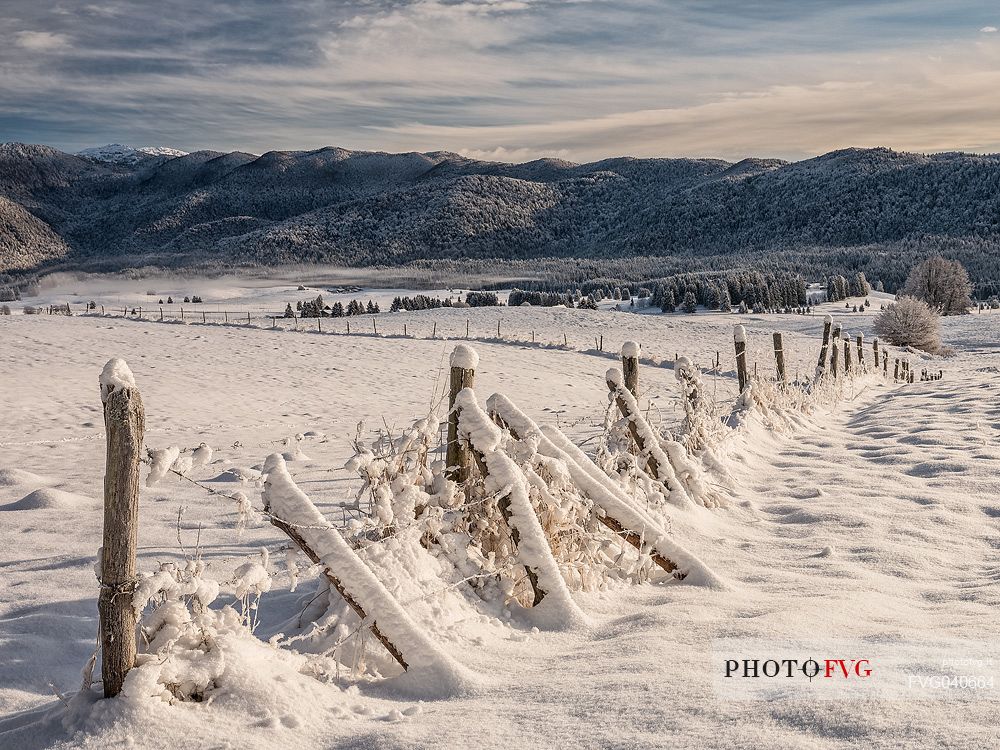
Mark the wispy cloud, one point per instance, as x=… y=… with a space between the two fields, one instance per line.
x=507 y=79
x=989 y=29
x=40 y=41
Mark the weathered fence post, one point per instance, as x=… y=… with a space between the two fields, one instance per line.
x=161 y=313
x=779 y=357
x=847 y=353
x=248 y=317
x=124 y=424
x=825 y=348
x=860 y=341
x=834 y=347
x=203 y=316
x=875 y=353
x=319 y=325
x=630 y=366
x=182 y=314
x=466 y=328
x=498 y=328
x=226 y=314
x=740 y=340
x=434 y=332
x=374 y=327
x=895 y=371
x=463 y=363
x=348 y=326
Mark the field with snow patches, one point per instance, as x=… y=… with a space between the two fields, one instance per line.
x=871 y=517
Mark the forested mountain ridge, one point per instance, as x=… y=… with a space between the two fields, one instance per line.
x=365 y=208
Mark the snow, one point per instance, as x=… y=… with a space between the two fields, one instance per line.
x=115 y=376
x=464 y=357
x=739 y=334
x=630 y=349
x=872 y=518
x=430 y=672
x=118 y=153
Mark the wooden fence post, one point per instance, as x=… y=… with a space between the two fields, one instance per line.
x=226 y=313
x=374 y=327
x=203 y=316
x=498 y=328
x=779 y=357
x=248 y=317
x=630 y=366
x=434 y=332
x=895 y=371
x=319 y=325
x=860 y=341
x=124 y=424
x=182 y=314
x=740 y=340
x=875 y=353
x=825 y=348
x=834 y=346
x=466 y=328
x=161 y=313
x=847 y=353
x=463 y=363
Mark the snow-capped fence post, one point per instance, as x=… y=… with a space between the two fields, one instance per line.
x=860 y=341
x=825 y=348
x=463 y=363
x=885 y=363
x=740 y=340
x=847 y=353
x=630 y=366
x=779 y=357
x=124 y=424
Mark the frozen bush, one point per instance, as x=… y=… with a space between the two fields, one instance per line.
x=910 y=322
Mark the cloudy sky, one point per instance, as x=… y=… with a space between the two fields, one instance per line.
x=504 y=79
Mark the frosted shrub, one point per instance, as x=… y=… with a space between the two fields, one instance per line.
x=910 y=322
x=943 y=284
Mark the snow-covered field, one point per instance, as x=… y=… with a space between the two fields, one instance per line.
x=873 y=519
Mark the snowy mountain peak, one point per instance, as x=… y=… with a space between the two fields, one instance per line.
x=119 y=153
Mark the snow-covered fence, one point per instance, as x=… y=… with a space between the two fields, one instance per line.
x=124 y=420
